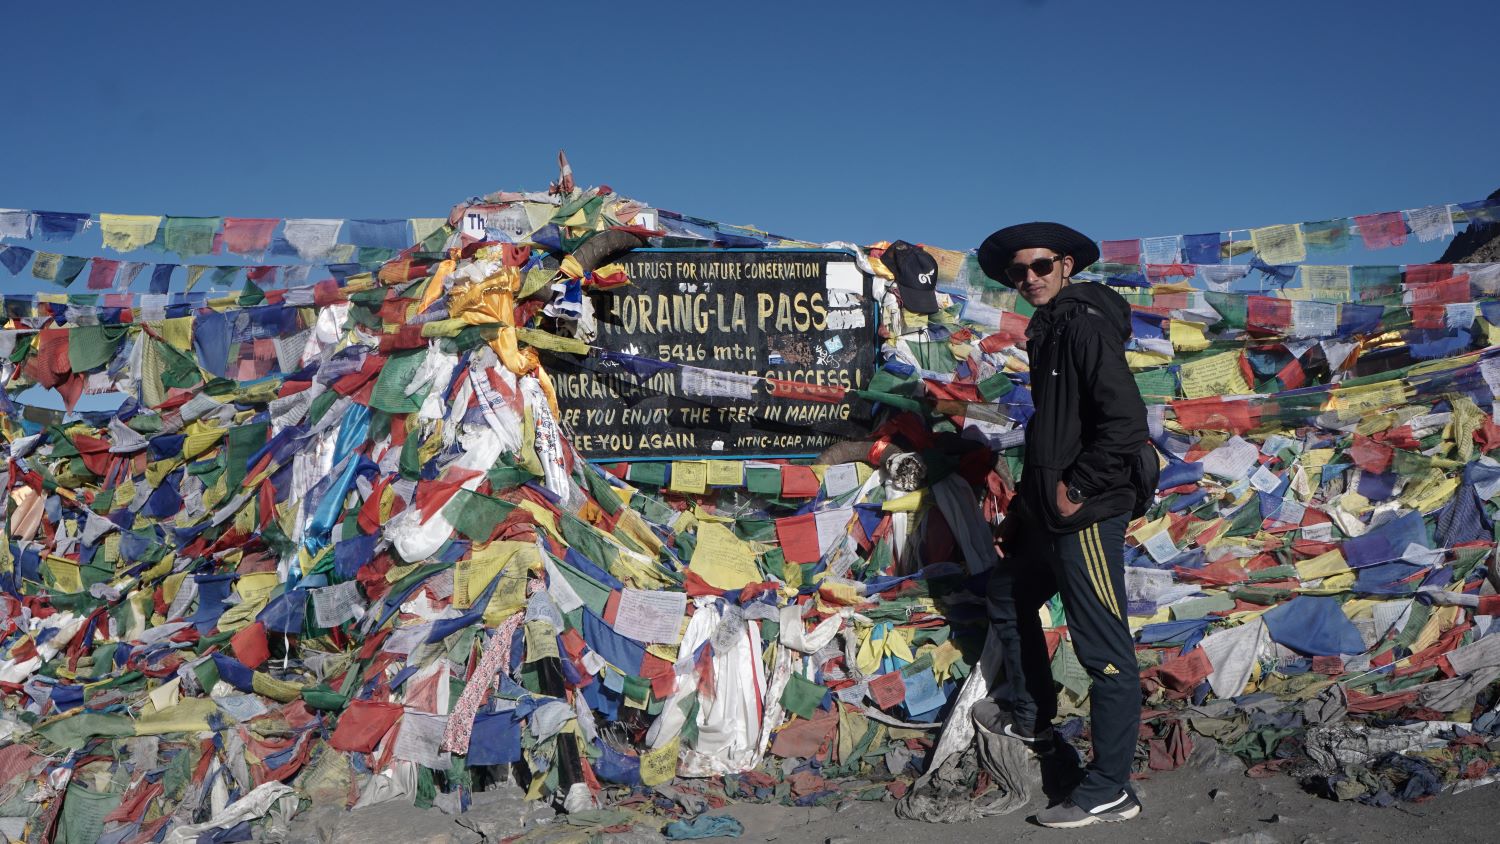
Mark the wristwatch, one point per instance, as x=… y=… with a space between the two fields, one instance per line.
x=1075 y=494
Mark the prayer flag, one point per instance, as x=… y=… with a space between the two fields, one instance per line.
x=1431 y=223
x=1119 y=252
x=189 y=236
x=1380 y=231
x=1279 y=244
x=102 y=273
x=15 y=224
x=1202 y=248
x=59 y=225
x=387 y=234
x=312 y=238
x=15 y=258
x=129 y=232
x=247 y=236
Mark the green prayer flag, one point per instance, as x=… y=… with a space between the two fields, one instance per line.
x=188 y=236
x=74 y=731
x=649 y=472
x=1157 y=386
x=242 y=442
x=586 y=540
x=475 y=515
x=802 y=696
x=995 y=386
x=594 y=594
x=83 y=814
x=390 y=390
x=763 y=480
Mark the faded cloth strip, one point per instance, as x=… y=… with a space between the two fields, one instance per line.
x=461 y=721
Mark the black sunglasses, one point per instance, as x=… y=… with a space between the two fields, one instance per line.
x=1041 y=266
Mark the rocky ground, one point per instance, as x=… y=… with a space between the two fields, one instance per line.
x=1181 y=806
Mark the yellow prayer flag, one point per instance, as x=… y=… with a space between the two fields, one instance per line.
x=128 y=232
x=1324 y=565
x=188 y=716
x=66 y=576
x=1369 y=396
x=541 y=640
x=264 y=684
x=908 y=503
x=254 y=591
x=1281 y=244
x=689 y=476
x=1146 y=360
x=1314 y=459
x=177 y=332
x=631 y=525
x=1216 y=375
x=1354 y=504
x=722 y=559
x=200 y=437
x=166 y=695
x=660 y=765
x=543 y=516
x=726 y=473
x=1188 y=336
x=1151 y=528
x=1327 y=283
x=1428 y=497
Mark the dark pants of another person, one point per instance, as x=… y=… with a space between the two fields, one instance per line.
x=1088 y=567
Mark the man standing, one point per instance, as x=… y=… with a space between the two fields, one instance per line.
x=1075 y=498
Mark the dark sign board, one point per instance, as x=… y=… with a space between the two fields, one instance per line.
x=728 y=318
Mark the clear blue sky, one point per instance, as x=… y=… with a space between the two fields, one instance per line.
x=934 y=122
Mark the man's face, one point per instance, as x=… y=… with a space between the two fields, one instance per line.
x=1040 y=289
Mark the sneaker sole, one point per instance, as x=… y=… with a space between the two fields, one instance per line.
x=1089 y=820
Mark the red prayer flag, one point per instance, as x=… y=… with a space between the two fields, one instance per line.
x=1381 y=230
x=1214 y=414
x=1119 y=252
x=261 y=275
x=798 y=482
x=1428 y=273
x=888 y=689
x=363 y=725
x=1292 y=375
x=1429 y=316
x=1446 y=292
x=102 y=273
x=250 y=647
x=1370 y=455
x=798 y=536
x=247 y=235
x=1267 y=312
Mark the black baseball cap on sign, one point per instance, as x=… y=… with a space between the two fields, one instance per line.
x=916 y=276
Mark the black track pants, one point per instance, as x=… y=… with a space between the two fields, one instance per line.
x=1088 y=568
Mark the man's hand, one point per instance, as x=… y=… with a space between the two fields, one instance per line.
x=1064 y=506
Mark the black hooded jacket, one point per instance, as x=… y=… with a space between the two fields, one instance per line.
x=1090 y=420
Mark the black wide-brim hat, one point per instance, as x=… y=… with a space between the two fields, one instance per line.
x=998 y=249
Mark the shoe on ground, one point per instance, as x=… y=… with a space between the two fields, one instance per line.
x=990 y=716
x=1068 y=815
x=1030 y=736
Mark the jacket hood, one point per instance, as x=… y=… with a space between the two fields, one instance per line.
x=1079 y=294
